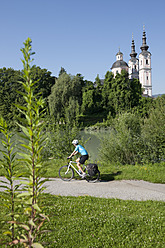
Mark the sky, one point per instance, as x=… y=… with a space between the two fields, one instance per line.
x=82 y=36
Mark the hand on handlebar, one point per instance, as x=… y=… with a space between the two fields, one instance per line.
x=70 y=157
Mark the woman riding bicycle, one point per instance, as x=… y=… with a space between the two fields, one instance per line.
x=84 y=156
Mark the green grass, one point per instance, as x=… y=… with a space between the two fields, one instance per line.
x=151 y=173
x=97 y=222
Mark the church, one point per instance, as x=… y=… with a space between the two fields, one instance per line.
x=139 y=68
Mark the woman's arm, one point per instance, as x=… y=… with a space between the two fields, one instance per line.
x=73 y=153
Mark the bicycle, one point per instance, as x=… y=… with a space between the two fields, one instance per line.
x=66 y=172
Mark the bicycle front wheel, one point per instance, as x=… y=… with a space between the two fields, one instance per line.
x=93 y=179
x=66 y=173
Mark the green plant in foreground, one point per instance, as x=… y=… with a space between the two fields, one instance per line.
x=33 y=134
x=29 y=224
x=9 y=164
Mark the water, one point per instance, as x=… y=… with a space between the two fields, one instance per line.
x=93 y=144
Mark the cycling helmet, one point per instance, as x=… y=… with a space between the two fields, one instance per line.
x=75 y=142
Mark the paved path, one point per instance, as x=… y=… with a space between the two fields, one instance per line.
x=125 y=189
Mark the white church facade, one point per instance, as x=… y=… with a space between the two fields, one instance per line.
x=139 y=68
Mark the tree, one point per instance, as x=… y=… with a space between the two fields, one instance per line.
x=106 y=91
x=44 y=81
x=88 y=104
x=120 y=93
x=98 y=94
x=144 y=106
x=9 y=85
x=67 y=87
x=92 y=97
x=62 y=71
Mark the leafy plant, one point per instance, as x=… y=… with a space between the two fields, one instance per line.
x=32 y=142
x=9 y=164
x=153 y=132
x=60 y=137
x=120 y=144
x=32 y=145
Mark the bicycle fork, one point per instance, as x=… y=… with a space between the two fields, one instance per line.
x=67 y=169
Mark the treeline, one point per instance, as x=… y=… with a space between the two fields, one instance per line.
x=136 y=123
x=10 y=88
x=73 y=97
x=82 y=99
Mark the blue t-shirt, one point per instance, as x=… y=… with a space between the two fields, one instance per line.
x=81 y=150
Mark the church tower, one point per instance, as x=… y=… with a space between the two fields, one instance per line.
x=133 y=64
x=145 y=67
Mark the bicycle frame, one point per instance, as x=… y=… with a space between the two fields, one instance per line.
x=72 y=166
x=66 y=172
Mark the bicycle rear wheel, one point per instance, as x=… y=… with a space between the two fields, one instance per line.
x=93 y=179
x=65 y=173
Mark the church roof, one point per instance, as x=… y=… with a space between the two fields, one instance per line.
x=119 y=63
x=133 y=59
x=119 y=53
x=145 y=53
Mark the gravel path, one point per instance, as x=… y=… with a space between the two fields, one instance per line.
x=125 y=189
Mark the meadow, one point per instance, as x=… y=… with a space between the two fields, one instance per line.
x=96 y=222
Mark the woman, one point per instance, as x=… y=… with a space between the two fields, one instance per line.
x=81 y=160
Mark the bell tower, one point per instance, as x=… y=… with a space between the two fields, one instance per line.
x=133 y=64
x=145 y=67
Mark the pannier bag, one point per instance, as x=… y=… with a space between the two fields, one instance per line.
x=92 y=169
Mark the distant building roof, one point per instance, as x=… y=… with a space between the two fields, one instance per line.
x=119 y=53
x=119 y=63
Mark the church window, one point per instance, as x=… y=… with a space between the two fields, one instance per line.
x=141 y=62
x=135 y=67
x=147 y=77
x=146 y=61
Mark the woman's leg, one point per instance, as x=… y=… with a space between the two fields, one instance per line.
x=79 y=165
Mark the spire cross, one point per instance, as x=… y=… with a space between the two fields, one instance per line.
x=143 y=28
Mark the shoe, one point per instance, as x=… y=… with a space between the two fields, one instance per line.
x=80 y=172
x=83 y=175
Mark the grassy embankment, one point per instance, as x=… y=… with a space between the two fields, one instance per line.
x=148 y=172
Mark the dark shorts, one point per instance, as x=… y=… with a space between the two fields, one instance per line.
x=83 y=158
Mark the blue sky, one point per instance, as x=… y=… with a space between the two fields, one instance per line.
x=83 y=36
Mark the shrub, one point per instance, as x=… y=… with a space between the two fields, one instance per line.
x=119 y=145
